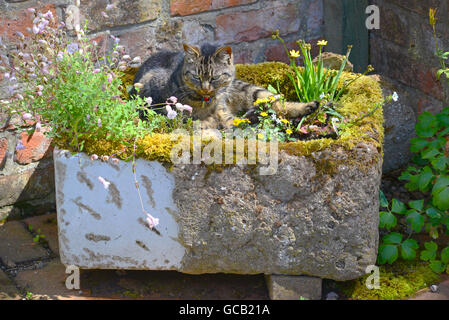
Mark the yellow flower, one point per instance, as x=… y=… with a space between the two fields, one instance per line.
x=289 y=131
x=322 y=43
x=260 y=101
x=284 y=121
x=236 y=122
x=272 y=98
x=246 y=120
x=264 y=114
x=294 y=54
x=261 y=136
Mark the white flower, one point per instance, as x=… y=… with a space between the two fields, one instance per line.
x=395 y=96
x=149 y=100
x=104 y=182
x=322 y=95
x=111 y=7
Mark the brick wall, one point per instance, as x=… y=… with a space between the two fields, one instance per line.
x=144 y=27
x=403 y=50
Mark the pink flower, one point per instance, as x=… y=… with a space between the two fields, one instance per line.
x=303 y=130
x=38 y=126
x=104 y=182
x=110 y=78
x=93 y=157
x=99 y=123
x=96 y=71
x=31 y=10
x=152 y=221
x=27 y=116
x=172 y=100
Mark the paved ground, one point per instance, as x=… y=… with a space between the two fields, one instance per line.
x=31 y=269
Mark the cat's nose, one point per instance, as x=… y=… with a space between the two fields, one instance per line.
x=206 y=86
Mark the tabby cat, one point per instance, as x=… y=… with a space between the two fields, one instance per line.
x=204 y=78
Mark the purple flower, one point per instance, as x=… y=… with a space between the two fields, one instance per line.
x=72 y=47
x=111 y=6
x=99 y=123
x=104 y=14
x=96 y=71
x=152 y=221
x=38 y=126
x=110 y=78
x=171 y=114
x=6 y=75
x=48 y=15
x=20 y=146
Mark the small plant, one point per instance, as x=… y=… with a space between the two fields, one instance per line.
x=39 y=237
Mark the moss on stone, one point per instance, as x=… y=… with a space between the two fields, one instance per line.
x=360 y=97
x=399 y=281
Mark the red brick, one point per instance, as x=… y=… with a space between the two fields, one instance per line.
x=257 y=24
x=188 y=7
x=3 y=150
x=277 y=52
x=20 y=20
x=37 y=146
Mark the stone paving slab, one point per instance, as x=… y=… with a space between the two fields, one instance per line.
x=17 y=245
x=441 y=294
x=48 y=225
x=8 y=291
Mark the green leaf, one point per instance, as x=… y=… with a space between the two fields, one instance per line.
x=417 y=144
x=387 y=220
x=272 y=89
x=426 y=125
x=408 y=249
x=417 y=205
x=431 y=251
x=425 y=178
x=387 y=254
x=392 y=238
x=440 y=163
x=383 y=200
x=433 y=213
x=437 y=266
x=416 y=220
x=398 y=207
x=445 y=255
x=30 y=227
x=440 y=193
x=430 y=154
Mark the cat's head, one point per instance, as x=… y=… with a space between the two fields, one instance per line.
x=207 y=69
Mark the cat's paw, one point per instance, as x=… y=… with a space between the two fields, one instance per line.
x=296 y=109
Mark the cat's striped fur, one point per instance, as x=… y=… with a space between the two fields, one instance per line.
x=204 y=78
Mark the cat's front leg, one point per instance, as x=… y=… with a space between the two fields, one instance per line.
x=295 y=109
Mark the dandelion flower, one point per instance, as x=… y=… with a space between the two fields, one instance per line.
x=289 y=131
x=264 y=114
x=284 y=121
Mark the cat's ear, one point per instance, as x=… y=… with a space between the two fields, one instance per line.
x=192 y=51
x=224 y=54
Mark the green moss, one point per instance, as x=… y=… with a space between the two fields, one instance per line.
x=397 y=282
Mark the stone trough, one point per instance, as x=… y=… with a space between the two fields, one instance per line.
x=316 y=216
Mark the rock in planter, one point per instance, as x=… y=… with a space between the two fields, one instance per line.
x=316 y=215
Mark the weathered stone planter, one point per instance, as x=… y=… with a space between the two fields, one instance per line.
x=317 y=215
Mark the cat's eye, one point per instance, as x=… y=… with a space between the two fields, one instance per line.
x=196 y=77
x=215 y=78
